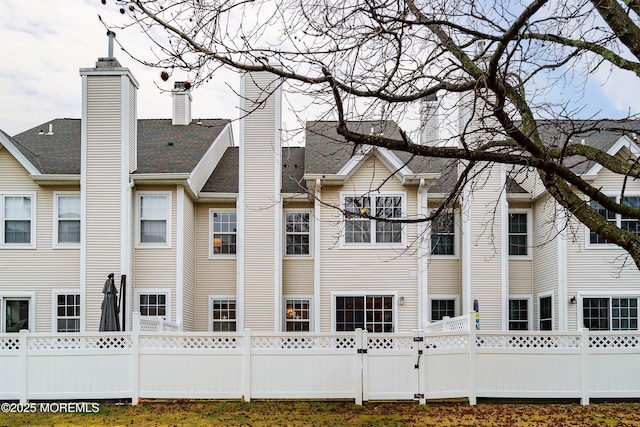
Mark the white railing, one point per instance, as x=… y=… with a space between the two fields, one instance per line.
x=453 y=324
x=157 y=325
x=348 y=365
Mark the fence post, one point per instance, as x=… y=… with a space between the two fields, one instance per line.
x=420 y=365
x=135 y=359
x=472 y=364
x=246 y=368
x=360 y=380
x=584 y=367
x=445 y=323
x=24 y=374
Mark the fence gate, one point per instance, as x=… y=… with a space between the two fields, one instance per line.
x=392 y=366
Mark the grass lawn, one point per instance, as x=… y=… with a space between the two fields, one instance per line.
x=334 y=413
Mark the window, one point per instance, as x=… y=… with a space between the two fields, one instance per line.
x=441 y=308
x=518 y=234
x=67 y=309
x=372 y=312
x=610 y=313
x=223 y=314
x=297 y=315
x=443 y=234
x=359 y=229
x=518 y=315
x=624 y=222
x=545 y=313
x=297 y=233
x=67 y=219
x=629 y=223
x=154 y=303
x=18 y=219
x=17 y=313
x=154 y=219
x=223 y=240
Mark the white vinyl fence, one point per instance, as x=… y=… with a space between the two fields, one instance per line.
x=351 y=365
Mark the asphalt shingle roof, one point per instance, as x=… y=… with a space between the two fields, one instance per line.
x=162 y=147
x=327 y=152
x=224 y=178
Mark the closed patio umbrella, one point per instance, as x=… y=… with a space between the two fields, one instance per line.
x=109 y=319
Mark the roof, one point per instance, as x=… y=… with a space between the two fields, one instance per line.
x=600 y=134
x=327 y=151
x=224 y=178
x=162 y=147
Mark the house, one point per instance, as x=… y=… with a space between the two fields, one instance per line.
x=217 y=232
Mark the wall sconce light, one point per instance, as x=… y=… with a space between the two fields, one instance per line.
x=401 y=300
x=573 y=300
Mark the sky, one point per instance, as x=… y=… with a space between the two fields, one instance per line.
x=44 y=43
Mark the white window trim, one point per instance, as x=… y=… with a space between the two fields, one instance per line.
x=335 y=294
x=587 y=232
x=56 y=220
x=284 y=233
x=553 y=308
x=156 y=291
x=210 y=235
x=169 y=228
x=454 y=297
x=580 y=295
x=529 y=299
x=54 y=307
x=284 y=310
x=456 y=238
x=529 y=213
x=373 y=244
x=210 y=311
x=34 y=204
x=31 y=296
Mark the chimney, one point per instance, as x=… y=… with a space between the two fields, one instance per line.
x=429 y=120
x=181 y=103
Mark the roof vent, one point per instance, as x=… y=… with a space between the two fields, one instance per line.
x=50 y=129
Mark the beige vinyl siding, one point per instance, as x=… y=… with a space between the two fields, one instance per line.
x=103 y=183
x=260 y=151
x=297 y=271
x=43 y=269
x=189 y=266
x=133 y=128
x=599 y=268
x=156 y=267
x=545 y=254
x=520 y=277
x=486 y=236
x=444 y=276
x=213 y=276
x=297 y=276
x=346 y=269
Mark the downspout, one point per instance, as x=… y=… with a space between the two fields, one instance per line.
x=504 y=247
x=563 y=307
x=423 y=277
x=316 y=256
x=466 y=249
x=180 y=256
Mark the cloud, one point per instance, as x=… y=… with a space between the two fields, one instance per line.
x=45 y=44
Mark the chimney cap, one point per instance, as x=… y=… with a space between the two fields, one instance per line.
x=182 y=85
